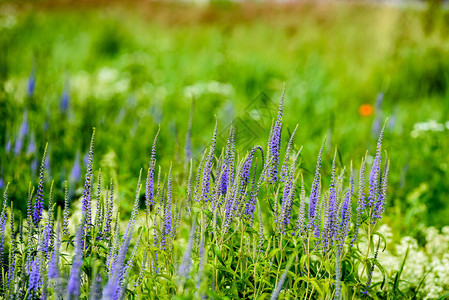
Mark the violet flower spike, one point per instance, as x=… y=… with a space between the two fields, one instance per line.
x=75 y=173
x=65 y=222
x=251 y=203
x=35 y=280
x=228 y=164
x=12 y=264
x=275 y=142
x=113 y=288
x=331 y=229
x=30 y=206
x=31 y=144
x=87 y=192
x=149 y=192
x=188 y=145
x=346 y=212
x=379 y=206
x=109 y=210
x=48 y=229
x=315 y=191
x=98 y=207
x=375 y=173
x=31 y=82
x=287 y=202
x=205 y=188
x=167 y=212
x=65 y=99
x=189 y=187
x=39 y=202
x=3 y=219
x=73 y=285
x=361 y=203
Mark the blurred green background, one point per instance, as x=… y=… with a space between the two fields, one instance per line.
x=125 y=68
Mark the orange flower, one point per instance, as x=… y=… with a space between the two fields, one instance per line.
x=366 y=110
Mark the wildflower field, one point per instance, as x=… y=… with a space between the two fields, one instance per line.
x=224 y=151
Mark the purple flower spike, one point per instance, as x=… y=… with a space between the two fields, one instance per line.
x=244 y=175
x=361 y=203
x=315 y=191
x=189 y=187
x=31 y=83
x=229 y=161
x=75 y=173
x=109 y=210
x=99 y=208
x=39 y=202
x=375 y=173
x=65 y=222
x=8 y=145
x=53 y=268
x=167 y=212
x=12 y=264
x=188 y=145
x=87 y=192
x=35 y=279
x=149 y=193
x=208 y=167
x=113 y=288
x=73 y=285
x=331 y=228
x=3 y=219
x=251 y=203
x=275 y=142
x=65 y=99
x=379 y=206
x=48 y=229
x=21 y=134
x=345 y=215
x=287 y=200
x=31 y=144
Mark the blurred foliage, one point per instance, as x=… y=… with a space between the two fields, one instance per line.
x=131 y=67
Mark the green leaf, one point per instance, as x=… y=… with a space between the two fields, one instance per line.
x=218 y=254
x=398 y=274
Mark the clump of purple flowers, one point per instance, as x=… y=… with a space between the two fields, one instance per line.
x=245 y=211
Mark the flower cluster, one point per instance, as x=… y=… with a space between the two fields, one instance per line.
x=244 y=212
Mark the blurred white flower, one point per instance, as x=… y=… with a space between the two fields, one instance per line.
x=430 y=262
x=431 y=125
x=211 y=87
